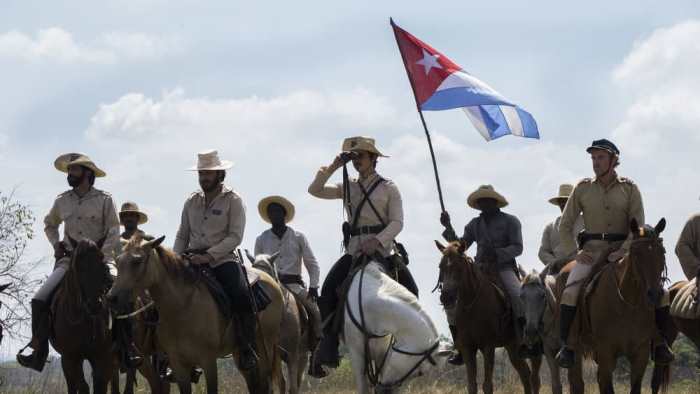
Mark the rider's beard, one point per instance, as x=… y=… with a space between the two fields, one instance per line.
x=75 y=181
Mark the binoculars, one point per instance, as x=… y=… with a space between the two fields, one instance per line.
x=348 y=155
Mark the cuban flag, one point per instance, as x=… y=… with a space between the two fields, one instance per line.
x=440 y=84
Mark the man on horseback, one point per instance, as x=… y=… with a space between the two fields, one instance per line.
x=293 y=249
x=688 y=248
x=131 y=218
x=551 y=253
x=85 y=212
x=212 y=225
x=499 y=241
x=608 y=203
x=375 y=217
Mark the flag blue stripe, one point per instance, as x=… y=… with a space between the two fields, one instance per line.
x=530 y=129
x=495 y=121
x=458 y=98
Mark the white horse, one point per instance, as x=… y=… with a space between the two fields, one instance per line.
x=389 y=335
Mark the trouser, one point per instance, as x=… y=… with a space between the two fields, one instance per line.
x=313 y=311
x=231 y=277
x=511 y=284
x=49 y=287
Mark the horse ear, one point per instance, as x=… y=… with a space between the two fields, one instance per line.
x=274 y=257
x=634 y=227
x=462 y=246
x=155 y=243
x=440 y=246
x=660 y=226
x=249 y=256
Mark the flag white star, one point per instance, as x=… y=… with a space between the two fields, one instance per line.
x=429 y=61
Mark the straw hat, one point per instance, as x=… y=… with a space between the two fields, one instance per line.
x=209 y=161
x=64 y=161
x=565 y=190
x=131 y=207
x=354 y=144
x=486 y=191
x=286 y=204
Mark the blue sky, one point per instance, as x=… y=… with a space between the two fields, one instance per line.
x=141 y=86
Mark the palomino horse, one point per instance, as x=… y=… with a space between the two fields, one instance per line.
x=616 y=315
x=541 y=310
x=192 y=330
x=483 y=318
x=689 y=327
x=295 y=332
x=81 y=321
x=389 y=335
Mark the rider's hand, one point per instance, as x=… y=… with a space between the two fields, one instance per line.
x=337 y=163
x=445 y=219
x=369 y=246
x=59 y=250
x=313 y=294
x=201 y=259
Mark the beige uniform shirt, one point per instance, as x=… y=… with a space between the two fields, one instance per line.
x=218 y=227
x=688 y=247
x=92 y=216
x=550 y=247
x=605 y=210
x=293 y=250
x=386 y=199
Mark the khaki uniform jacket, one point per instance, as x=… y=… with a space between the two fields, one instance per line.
x=93 y=216
x=550 y=247
x=386 y=199
x=605 y=210
x=293 y=250
x=218 y=228
x=688 y=247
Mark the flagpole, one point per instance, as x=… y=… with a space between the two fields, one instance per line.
x=422 y=119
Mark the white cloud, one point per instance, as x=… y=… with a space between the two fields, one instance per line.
x=58 y=45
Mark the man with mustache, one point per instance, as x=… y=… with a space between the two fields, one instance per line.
x=211 y=229
x=85 y=212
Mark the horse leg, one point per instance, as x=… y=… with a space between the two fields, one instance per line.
x=357 y=360
x=302 y=364
x=148 y=371
x=536 y=364
x=606 y=366
x=489 y=358
x=130 y=381
x=73 y=372
x=575 y=375
x=554 y=371
x=638 y=365
x=211 y=375
x=521 y=367
x=114 y=383
x=101 y=373
x=182 y=372
x=292 y=371
x=469 y=355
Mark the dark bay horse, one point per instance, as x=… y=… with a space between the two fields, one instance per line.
x=483 y=318
x=192 y=330
x=81 y=322
x=616 y=317
x=688 y=327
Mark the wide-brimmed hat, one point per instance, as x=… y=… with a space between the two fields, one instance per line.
x=286 y=204
x=209 y=161
x=565 y=190
x=486 y=191
x=64 y=161
x=604 y=145
x=366 y=144
x=131 y=207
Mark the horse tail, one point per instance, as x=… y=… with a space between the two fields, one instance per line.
x=661 y=378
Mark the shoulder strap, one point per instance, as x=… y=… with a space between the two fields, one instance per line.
x=367 y=193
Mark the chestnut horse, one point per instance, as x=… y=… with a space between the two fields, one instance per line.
x=484 y=320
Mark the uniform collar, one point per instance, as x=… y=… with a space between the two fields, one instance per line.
x=616 y=179
x=90 y=193
x=224 y=190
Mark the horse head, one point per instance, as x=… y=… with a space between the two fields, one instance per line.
x=456 y=272
x=533 y=295
x=265 y=263
x=137 y=271
x=647 y=257
x=402 y=366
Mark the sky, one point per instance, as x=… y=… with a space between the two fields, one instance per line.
x=142 y=85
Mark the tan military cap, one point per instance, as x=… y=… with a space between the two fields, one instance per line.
x=64 y=161
x=486 y=191
x=366 y=144
x=286 y=204
x=565 y=190
x=209 y=161
x=131 y=207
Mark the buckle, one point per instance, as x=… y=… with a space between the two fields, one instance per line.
x=604 y=236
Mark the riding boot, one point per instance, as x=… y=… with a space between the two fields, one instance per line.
x=326 y=352
x=456 y=358
x=566 y=356
x=129 y=355
x=40 y=338
x=245 y=338
x=663 y=355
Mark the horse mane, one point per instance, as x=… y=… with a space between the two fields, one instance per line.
x=533 y=278
x=173 y=263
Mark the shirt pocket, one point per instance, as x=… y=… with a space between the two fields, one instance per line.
x=216 y=219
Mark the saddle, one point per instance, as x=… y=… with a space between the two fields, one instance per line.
x=205 y=275
x=686 y=303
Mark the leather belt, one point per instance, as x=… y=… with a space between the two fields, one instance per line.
x=291 y=279
x=367 y=230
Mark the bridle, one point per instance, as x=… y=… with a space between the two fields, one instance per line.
x=372 y=370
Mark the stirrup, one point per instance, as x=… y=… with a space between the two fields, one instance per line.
x=566 y=358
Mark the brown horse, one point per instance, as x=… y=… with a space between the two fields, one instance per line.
x=81 y=322
x=689 y=327
x=483 y=318
x=616 y=314
x=192 y=330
